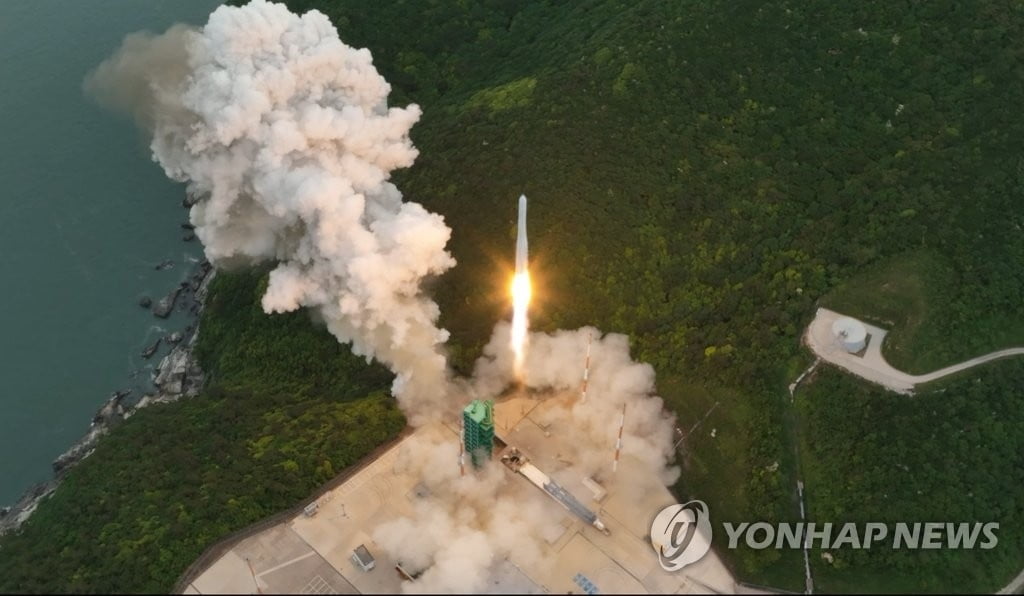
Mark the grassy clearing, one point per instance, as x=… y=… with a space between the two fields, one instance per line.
x=920 y=298
x=716 y=423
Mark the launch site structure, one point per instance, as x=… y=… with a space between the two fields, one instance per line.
x=517 y=462
x=478 y=430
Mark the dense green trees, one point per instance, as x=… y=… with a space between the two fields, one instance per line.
x=288 y=356
x=952 y=453
x=701 y=175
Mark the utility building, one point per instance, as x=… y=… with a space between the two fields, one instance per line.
x=850 y=333
x=361 y=556
x=478 y=427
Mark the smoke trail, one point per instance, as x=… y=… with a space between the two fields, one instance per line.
x=284 y=137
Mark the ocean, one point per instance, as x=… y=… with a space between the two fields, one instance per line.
x=85 y=217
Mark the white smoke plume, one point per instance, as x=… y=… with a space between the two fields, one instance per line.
x=284 y=138
x=469 y=524
x=283 y=135
x=465 y=525
x=554 y=363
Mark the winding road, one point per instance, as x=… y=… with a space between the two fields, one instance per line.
x=871 y=365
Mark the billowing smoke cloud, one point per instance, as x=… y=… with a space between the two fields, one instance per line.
x=284 y=137
x=465 y=525
x=468 y=525
x=554 y=362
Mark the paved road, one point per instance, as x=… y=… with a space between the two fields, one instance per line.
x=872 y=365
x=1014 y=587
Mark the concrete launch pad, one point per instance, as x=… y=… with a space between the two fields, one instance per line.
x=312 y=555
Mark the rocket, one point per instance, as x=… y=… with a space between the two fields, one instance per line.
x=520 y=295
x=522 y=251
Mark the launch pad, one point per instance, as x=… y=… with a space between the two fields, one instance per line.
x=313 y=553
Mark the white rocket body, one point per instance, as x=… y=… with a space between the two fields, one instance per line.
x=522 y=251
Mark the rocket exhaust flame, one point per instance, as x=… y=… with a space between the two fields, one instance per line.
x=520 y=325
x=298 y=175
x=521 y=292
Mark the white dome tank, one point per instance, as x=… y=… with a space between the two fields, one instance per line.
x=850 y=333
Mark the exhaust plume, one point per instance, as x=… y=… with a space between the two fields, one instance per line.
x=467 y=525
x=553 y=364
x=521 y=291
x=284 y=138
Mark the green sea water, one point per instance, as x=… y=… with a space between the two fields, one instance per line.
x=85 y=215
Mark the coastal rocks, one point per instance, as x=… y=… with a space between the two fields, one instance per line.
x=178 y=375
x=187 y=226
x=79 y=451
x=149 y=351
x=168 y=264
x=166 y=304
x=174 y=338
x=188 y=237
x=16 y=514
x=145 y=302
x=148 y=400
x=111 y=412
x=204 y=276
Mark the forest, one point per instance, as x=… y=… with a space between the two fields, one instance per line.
x=952 y=452
x=702 y=176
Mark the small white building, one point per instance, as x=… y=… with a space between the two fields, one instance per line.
x=850 y=334
x=363 y=559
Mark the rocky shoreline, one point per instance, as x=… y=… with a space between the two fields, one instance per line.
x=178 y=375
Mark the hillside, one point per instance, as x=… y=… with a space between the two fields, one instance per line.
x=701 y=175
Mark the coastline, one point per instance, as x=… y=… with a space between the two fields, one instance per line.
x=178 y=375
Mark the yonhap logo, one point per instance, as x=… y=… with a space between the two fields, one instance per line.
x=681 y=534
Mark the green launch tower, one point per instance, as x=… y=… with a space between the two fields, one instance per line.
x=478 y=430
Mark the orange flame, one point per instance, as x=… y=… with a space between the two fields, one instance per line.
x=521 y=292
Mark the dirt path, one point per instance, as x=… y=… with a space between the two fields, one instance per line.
x=871 y=365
